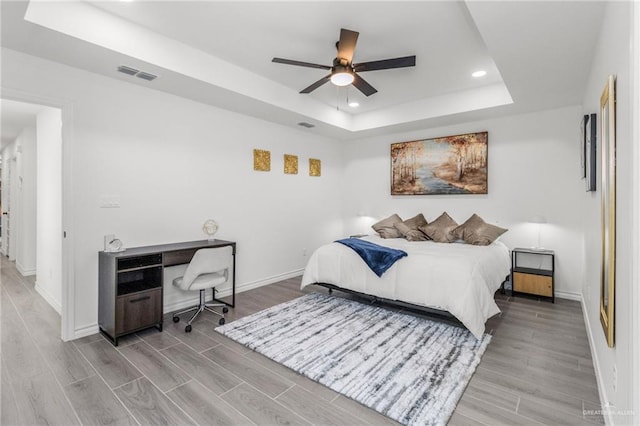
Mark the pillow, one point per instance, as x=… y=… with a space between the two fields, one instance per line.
x=409 y=228
x=385 y=227
x=416 y=221
x=410 y=234
x=464 y=231
x=477 y=232
x=416 y=235
x=440 y=229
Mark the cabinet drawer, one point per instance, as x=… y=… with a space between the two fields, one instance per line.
x=533 y=284
x=138 y=310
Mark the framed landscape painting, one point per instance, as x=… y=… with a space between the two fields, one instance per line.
x=447 y=165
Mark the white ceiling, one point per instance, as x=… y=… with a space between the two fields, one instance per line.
x=537 y=55
x=251 y=38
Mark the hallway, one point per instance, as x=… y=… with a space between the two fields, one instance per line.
x=31 y=329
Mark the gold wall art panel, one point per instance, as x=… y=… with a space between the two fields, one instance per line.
x=261 y=160
x=315 y=167
x=291 y=164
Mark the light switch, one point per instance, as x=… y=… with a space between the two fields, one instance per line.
x=109 y=201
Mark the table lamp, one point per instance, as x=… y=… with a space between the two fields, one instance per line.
x=538 y=220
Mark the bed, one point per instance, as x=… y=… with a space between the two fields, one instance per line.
x=460 y=279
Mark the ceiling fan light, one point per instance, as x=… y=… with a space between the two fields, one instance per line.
x=343 y=78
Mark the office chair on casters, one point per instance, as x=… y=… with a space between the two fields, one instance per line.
x=209 y=267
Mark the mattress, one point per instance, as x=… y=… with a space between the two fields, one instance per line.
x=458 y=278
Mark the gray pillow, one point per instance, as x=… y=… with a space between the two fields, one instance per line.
x=465 y=230
x=440 y=229
x=409 y=228
x=386 y=227
x=416 y=235
x=477 y=232
x=416 y=221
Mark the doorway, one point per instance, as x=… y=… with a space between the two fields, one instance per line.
x=31 y=188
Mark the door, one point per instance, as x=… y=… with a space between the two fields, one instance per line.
x=6 y=212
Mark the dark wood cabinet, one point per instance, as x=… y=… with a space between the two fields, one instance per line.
x=130 y=293
x=138 y=310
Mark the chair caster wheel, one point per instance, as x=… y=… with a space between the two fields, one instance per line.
x=187 y=329
x=176 y=319
x=225 y=310
x=221 y=322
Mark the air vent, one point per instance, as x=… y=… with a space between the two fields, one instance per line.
x=146 y=76
x=305 y=124
x=127 y=70
x=140 y=74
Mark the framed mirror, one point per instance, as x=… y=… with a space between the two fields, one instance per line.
x=608 y=269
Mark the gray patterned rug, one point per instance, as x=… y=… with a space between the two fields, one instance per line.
x=411 y=369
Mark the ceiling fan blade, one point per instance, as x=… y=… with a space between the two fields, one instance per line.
x=385 y=64
x=300 y=63
x=363 y=86
x=317 y=84
x=347 y=44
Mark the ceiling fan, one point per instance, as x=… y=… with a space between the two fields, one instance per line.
x=344 y=71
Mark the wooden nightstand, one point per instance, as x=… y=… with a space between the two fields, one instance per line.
x=532 y=272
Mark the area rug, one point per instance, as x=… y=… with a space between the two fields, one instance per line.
x=408 y=368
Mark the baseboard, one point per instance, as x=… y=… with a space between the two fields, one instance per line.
x=85 y=331
x=24 y=271
x=265 y=281
x=191 y=301
x=569 y=295
x=49 y=298
x=606 y=414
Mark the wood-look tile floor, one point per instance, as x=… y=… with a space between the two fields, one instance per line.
x=536 y=370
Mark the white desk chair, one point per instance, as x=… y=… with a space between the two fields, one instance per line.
x=208 y=268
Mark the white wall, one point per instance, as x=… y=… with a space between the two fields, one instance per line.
x=174 y=163
x=49 y=206
x=534 y=165
x=612 y=56
x=24 y=210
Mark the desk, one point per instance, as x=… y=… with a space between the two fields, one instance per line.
x=130 y=284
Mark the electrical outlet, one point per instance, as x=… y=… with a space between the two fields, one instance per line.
x=304 y=252
x=615 y=378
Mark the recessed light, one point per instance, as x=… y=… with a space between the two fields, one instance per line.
x=479 y=73
x=354 y=104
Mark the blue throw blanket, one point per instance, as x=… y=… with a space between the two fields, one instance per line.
x=379 y=258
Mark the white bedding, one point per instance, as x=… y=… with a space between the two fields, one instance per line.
x=458 y=278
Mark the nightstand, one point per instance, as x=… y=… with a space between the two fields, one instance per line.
x=532 y=272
